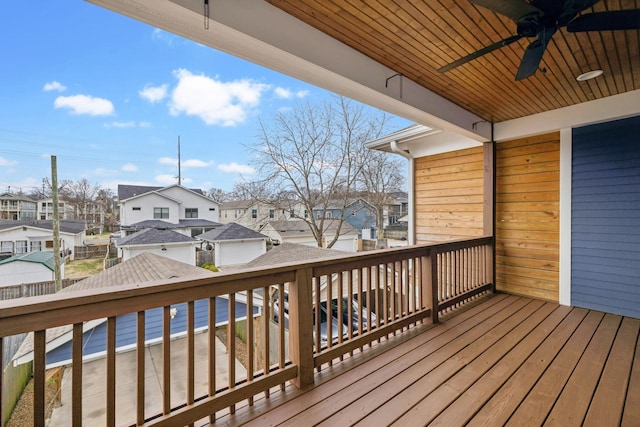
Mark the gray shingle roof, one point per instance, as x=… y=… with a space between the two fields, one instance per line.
x=231 y=231
x=128 y=191
x=198 y=222
x=292 y=252
x=142 y=268
x=150 y=236
x=66 y=226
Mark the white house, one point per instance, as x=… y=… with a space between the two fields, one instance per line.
x=171 y=204
x=28 y=268
x=19 y=237
x=167 y=243
x=234 y=244
x=299 y=232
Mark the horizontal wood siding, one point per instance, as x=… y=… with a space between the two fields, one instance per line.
x=528 y=216
x=605 y=239
x=449 y=195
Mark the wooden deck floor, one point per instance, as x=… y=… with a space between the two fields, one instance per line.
x=506 y=361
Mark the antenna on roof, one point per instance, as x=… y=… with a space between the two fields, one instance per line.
x=179 y=174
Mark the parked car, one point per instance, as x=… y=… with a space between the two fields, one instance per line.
x=116 y=235
x=324 y=316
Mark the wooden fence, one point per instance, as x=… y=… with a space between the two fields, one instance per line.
x=34 y=289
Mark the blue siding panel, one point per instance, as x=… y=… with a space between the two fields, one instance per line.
x=605 y=224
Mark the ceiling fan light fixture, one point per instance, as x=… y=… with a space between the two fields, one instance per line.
x=589 y=75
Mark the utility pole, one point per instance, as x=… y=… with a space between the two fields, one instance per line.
x=179 y=171
x=56 y=224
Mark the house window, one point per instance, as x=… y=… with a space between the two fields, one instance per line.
x=6 y=246
x=306 y=213
x=212 y=209
x=254 y=213
x=136 y=208
x=190 y=213
x=291 y=213
x=160 y=213
x=328 y=215
x=272 y=213
x=21 y=247
x=36 y=246
x=48 y=244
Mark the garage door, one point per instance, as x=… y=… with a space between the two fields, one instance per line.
x=606 y=217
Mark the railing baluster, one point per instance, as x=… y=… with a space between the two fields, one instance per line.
x=76 y=376
x=329 y=303
x=316 y=281
x=166 y=359
x=341 y=307
x=212 y=351
x=266 y=325
x=1 y=378
x=250 y=340
x=111 y=371
x=191 y=351
x=231 y=346
x=281 y=343
x=39 y=354
x=140 y=367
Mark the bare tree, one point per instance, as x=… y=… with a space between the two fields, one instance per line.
x=218 y=194
x=81 y=195
x=381 y=174
x=313 y=155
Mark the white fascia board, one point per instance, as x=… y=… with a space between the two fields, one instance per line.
x=263 y=34
x=587 y=113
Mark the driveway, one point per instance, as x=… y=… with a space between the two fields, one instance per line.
x=94 y=373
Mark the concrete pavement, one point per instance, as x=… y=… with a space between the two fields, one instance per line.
x=94 y=374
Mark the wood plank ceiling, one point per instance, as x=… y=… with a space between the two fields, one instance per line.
x=417 y=37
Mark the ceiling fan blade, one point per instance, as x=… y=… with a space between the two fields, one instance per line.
x=533 y=55
x=479 y=53
x=514 y=9
x=604 y=21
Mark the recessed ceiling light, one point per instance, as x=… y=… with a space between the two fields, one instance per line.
x=589 y=75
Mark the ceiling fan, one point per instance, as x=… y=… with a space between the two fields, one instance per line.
x=541 y=19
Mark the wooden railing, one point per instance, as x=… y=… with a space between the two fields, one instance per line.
x=367 y=297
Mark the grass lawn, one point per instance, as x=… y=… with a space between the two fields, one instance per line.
x=83 y=267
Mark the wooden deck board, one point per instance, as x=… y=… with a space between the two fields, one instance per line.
x=508 y=360
x=496 y=409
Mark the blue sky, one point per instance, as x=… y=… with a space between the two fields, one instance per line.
x=109 y=97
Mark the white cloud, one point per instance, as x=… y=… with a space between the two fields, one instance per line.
x=85 y=104
x=195 y=163
x=191 y=163
x=129 y=167
x=236 y=168
x=168 y=161
x=214 y=101
x=154 y=94
x=166 y=179
x=54 y=85
x=283 y=93
x=5 y=162
x=122 y=125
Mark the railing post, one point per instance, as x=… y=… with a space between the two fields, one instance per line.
x=434 y=287
x=301 y=327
